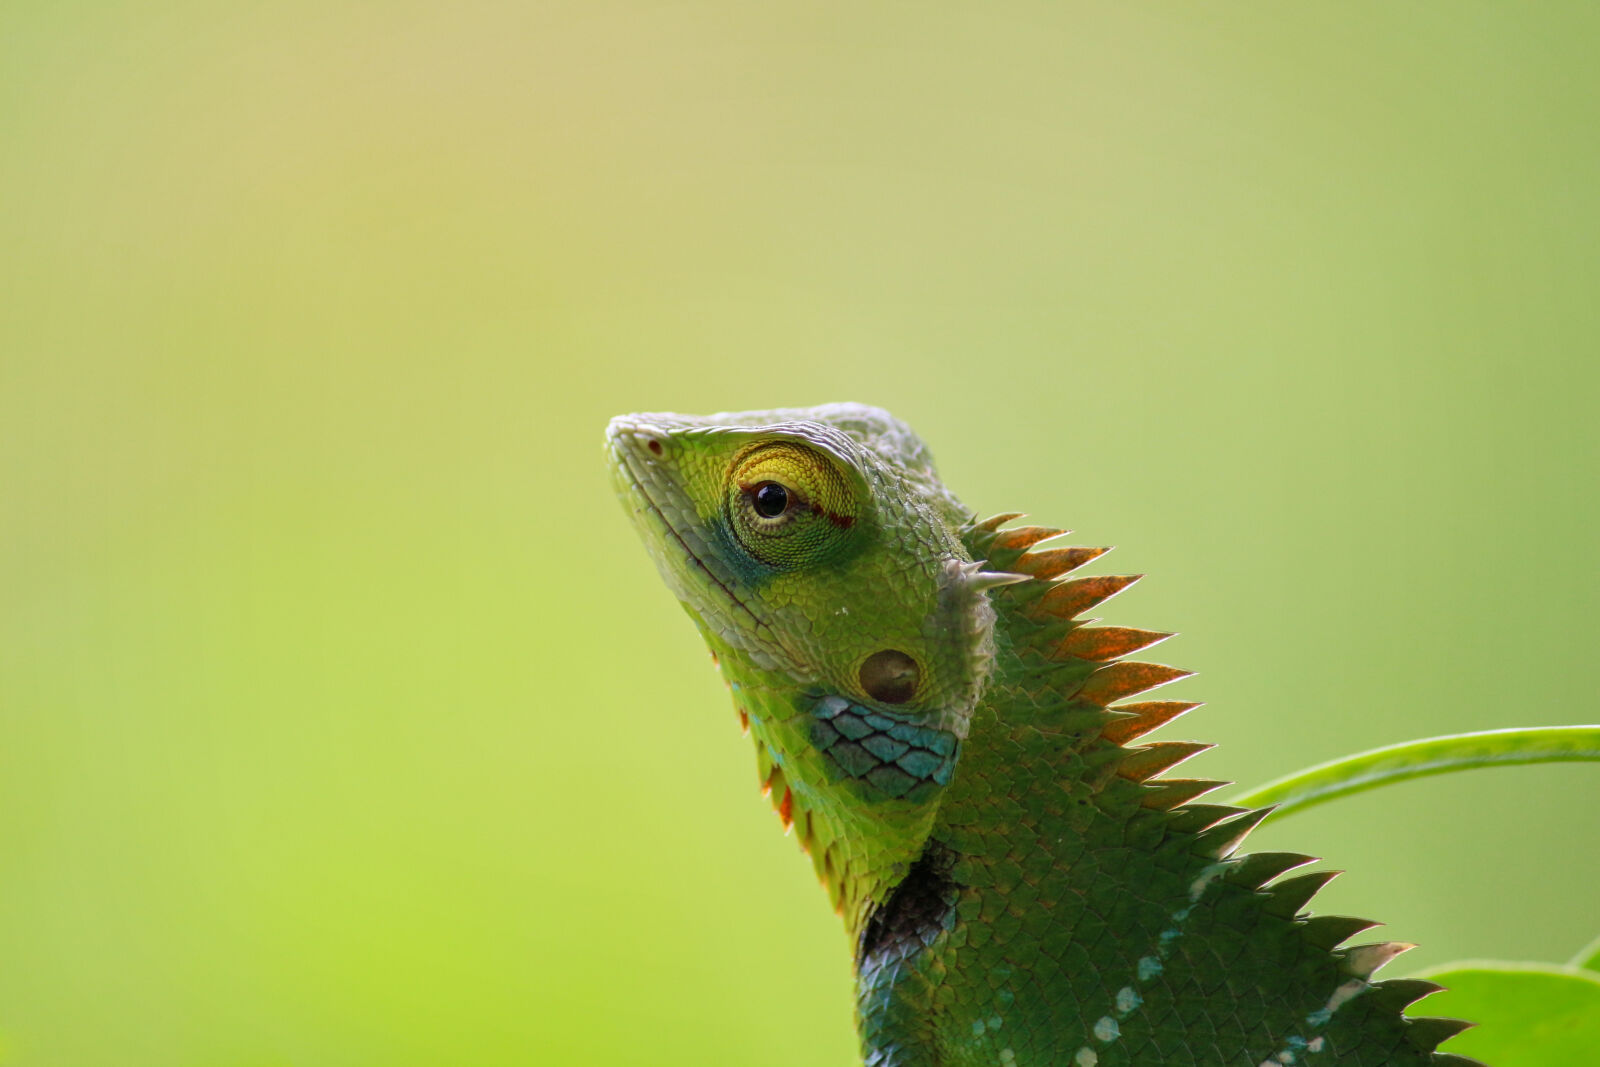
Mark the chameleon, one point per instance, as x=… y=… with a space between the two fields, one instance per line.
x=952 y=742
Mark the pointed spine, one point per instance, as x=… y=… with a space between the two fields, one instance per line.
x=1221 y=841
x=1426 y=1033
x=1075 y=596
x=1193 y=818
x=1142 y=718
x=1126 y=678
x=1286 y=898
x=1022 y=538
x=978 y=580
x=1147 y=761
x=775 y=785
x=980 y=534
x=1101 y=643
x=1330 y=931
x=1164 y=794
x=1363 y=961
x=1054 y=562
x=786 y=809
x=1259 y=868
x=994 y=522
x=1397 y=993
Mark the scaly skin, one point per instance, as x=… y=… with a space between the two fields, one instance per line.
x=1020 y=885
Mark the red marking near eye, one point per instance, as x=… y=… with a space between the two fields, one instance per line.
x=843 y=522
x=786 y=810
x=744 y=720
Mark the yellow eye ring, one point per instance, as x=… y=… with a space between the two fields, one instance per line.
x=789 y=505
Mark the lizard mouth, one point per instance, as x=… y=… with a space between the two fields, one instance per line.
x=638 y=479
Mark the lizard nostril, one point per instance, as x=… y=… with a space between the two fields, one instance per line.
x=654 y=446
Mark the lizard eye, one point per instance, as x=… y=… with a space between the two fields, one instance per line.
x=770 y=500
x=789 y=505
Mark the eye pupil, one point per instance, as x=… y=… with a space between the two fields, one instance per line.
x=771 y=500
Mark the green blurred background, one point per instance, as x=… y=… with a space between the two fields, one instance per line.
x=342 y=720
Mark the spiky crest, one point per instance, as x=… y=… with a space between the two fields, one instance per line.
x=1096 y=677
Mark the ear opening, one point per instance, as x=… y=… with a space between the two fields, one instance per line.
x=890 y=676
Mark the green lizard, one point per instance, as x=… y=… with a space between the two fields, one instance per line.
x=941 y=729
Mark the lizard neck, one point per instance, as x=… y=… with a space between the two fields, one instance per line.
x=858 y=786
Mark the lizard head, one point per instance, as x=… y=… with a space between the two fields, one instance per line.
x=816 y=547
x=821 y=558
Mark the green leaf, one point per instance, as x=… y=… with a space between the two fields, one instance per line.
x=1416 y=759
x=1528 y=1014
x=1588 y=957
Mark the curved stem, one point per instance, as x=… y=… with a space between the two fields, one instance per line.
x=1416 y=759
x=1588 y=957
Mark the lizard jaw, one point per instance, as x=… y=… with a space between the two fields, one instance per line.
x=640 y=457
